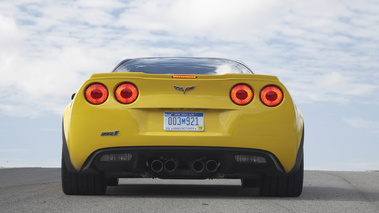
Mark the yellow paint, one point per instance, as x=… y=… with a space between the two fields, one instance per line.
x=274 y=129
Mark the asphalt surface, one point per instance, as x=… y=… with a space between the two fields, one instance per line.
x=39 y=190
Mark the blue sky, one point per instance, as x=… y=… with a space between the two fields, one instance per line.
x=325 y=51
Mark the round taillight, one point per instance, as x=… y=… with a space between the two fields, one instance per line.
x=126 y=93
x=96 y=93
x=271 y=96
x=241 y=94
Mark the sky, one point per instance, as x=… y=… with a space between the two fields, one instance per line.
x=326 y=52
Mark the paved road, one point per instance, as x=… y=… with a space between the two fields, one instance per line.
x=38 y=190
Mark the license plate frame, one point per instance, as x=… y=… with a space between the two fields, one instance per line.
x=183 y=121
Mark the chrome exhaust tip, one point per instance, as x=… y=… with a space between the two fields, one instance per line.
x=198 y=166
x=212 y=166
x=156 y=166
x=170 y=165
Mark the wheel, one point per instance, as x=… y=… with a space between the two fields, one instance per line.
x=249 y=182
x=82 y=184
x=283 y=186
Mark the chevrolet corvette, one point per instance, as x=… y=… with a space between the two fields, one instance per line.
x=182 y=118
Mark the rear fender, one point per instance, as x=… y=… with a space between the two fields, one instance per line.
x=66 y=154
x=299 y=156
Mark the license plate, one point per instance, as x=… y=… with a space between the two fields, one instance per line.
x=183 y=121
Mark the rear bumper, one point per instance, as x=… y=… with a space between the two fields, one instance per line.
x=183 y=162
x=140 y=159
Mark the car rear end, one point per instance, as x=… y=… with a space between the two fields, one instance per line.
x=132 y=124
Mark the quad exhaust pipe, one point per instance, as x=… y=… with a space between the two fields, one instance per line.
x=170 y=165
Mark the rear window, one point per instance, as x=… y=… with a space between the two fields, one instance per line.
x=196 y=66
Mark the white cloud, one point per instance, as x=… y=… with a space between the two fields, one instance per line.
x=360 y=123
x=10 y=34
x=335 y=85
x=322 y=50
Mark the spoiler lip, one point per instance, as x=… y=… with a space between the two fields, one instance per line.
x=141 y=75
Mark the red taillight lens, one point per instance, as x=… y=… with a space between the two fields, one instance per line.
x=241 y=94
x=96 y=93
x=126 y=93
x=271 y=96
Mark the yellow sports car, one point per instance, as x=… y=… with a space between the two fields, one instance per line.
x=182 y=118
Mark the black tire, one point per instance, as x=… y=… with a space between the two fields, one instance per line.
x=249 y=182
x=82 y=184
x=112 y=181
x=283 y=186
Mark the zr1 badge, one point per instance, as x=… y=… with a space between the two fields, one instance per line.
x=109 y=133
